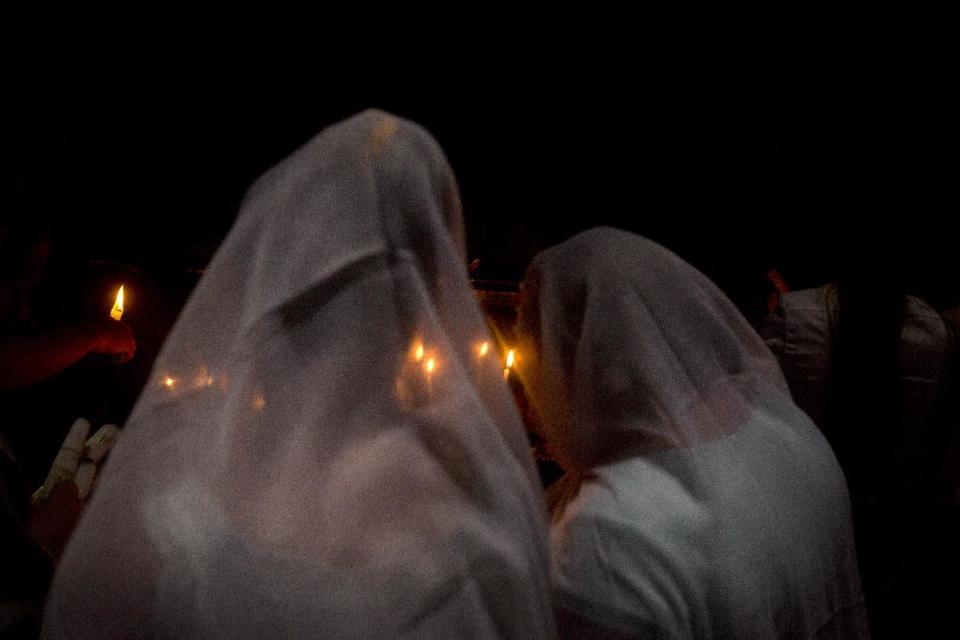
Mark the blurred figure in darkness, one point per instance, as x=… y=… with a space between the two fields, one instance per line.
x=32 y=538
x=874 y=364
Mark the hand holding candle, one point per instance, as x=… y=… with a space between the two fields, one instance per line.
x=115 y=339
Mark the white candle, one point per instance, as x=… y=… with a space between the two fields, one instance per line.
x=86 y=472
x=99 y=443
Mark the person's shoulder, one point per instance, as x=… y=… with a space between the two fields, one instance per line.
x=919 y=308
x=816 y=300
x=926 y=338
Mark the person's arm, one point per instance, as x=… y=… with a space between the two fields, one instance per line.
x=27 y=360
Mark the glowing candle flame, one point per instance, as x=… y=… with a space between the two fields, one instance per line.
x=510 y=359
x=419 y=352
x=117 y=311
x=430 y=365
x=168 y=382
x=484 y=348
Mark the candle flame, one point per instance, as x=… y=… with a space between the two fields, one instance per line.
x=511 y=357
x=419 y=352
x=430 y=365
x=484 y=348
x=117 y=311
x=168 y=382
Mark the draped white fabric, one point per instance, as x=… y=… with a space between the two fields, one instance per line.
x=708 y=505
x=322 y=451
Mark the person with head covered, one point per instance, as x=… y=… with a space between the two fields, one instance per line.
x=321 y=453
x=698 y=502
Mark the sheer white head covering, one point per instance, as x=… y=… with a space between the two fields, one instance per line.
x=638 y=350
x=705 y=504
x=322 y=452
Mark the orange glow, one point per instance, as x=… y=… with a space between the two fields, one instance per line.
x=259 y=402
x=117 y=311
x=430 y=365
x=484 y=348
x=511 y=358
x=419 y=352
x=204 y=379
x=169 y=382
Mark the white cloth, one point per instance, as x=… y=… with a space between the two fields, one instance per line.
x=800 y=334
x=294 y=469
x=710 y=506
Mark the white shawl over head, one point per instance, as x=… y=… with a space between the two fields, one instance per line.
x=322 y=451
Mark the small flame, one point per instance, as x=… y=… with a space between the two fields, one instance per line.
x=511 y=357
x=117 y=311
x=430 y=365
x=169 y=382
x=484 y=348
x=419 y=352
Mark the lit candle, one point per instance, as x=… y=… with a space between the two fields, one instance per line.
x=510 y=359
x=419 y=352
x=484 y=347
x=429 y=367
x=117 y=311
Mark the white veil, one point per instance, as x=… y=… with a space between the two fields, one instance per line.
x=322 y=450
x=704 y=503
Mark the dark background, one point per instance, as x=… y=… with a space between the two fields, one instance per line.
x=727 y=158
x=808 y=162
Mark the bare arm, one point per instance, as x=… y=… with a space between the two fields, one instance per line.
x=27 y=360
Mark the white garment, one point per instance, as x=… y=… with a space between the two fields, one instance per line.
x=800 y=334
x=298 y=467
x=710 y=505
